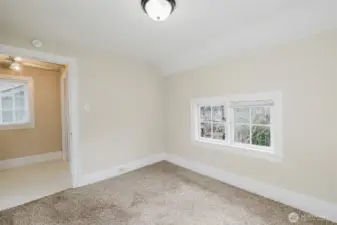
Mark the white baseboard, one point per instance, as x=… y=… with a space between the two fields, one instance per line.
x=28 y=160
x=121 y=169
x=305 y=203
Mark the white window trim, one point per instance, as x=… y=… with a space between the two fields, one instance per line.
x=273 y=153
x=29 y=99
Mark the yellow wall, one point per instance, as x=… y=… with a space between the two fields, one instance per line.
x=46 y=136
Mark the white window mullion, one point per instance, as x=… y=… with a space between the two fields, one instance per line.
x=230 y=125
x=1 y=121
x=271 y=130
x=211 y=121
x=27 y=102
x=250 y=126
x=261 y=125
x=198 y=121
x=14 y=108
x=225 y=115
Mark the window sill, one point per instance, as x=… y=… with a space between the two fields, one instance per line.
x=248 y=151
x=18 y=126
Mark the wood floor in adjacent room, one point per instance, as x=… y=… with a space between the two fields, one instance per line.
x=161 y=194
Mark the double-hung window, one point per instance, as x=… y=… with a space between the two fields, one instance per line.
x=16 y=102
x=242 y=123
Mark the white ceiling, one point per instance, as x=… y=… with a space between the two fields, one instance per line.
x=198 y=31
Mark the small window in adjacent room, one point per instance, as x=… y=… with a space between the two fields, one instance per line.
x=16 y=102
x=242 y=123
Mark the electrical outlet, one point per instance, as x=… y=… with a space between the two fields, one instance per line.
x=121 y=169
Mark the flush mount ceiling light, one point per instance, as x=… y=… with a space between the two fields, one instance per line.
x=158 y=10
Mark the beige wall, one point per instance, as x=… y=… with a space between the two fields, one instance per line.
x=46 y=135
x=125 y=121
x=126 y=117
x=127 y=105
x=306 y=72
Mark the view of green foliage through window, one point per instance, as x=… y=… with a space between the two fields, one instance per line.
x=251 y=124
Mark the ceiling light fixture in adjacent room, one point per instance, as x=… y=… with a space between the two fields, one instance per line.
x=158 y=10
x=17 y=59
x=15 y=66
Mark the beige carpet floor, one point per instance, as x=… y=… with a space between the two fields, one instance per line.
x=161 y=194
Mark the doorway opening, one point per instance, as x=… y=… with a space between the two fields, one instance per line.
x=38 y=151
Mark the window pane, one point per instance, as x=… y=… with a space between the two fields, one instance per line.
x=19 y=103
x=7 y=116
x=219 y=131
x=205 y=113
x=13 y=100
x=218 y=114
x=7 y=102
x=242 y=134
x=20 y=93
x=241 y=115
x=261 y=115
x=205 y=130
x=261 y=135
x=20 y=115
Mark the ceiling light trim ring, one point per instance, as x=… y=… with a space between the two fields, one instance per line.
x=171 y=2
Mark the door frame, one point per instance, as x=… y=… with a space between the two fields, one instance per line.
x=64 y=113
x=73 y=105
